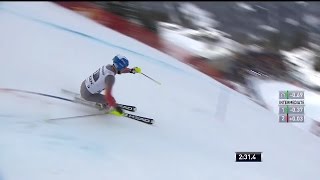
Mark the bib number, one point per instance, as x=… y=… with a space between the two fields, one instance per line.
x=94 y=77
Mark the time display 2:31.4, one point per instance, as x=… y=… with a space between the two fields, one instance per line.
x=248 y=156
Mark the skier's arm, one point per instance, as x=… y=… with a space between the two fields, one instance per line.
x=132 y=70
x=109 y=80
x=126 y=70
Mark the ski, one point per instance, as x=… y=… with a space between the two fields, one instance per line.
x=127 y=115
x=127 y=107
x=139 y=118
x=80 y=100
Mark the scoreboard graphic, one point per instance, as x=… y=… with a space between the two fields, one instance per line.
x=291 y=106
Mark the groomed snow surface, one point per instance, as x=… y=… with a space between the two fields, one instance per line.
x=199 y=126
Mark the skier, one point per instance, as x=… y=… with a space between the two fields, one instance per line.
x=103 y=79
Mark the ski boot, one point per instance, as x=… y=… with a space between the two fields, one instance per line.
x=117 y=111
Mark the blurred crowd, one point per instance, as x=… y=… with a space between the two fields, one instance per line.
x=238 y=60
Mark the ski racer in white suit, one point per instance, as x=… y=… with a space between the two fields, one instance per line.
x=103 y=79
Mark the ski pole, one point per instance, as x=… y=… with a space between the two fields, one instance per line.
x=151 y=79
x=88 y=115
x=72 y=117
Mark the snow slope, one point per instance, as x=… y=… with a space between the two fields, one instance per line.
x=200 y=124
